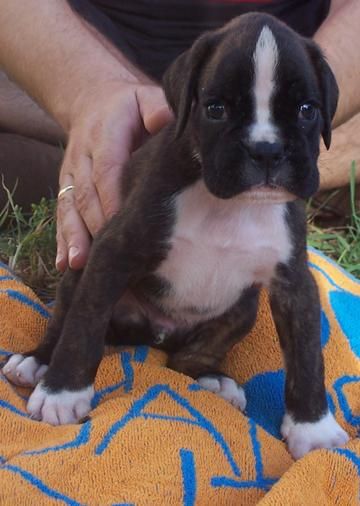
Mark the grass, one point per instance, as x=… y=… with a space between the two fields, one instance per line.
x=28 y=244
x=342 y=243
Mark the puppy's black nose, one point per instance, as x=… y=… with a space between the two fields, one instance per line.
x=266 y=154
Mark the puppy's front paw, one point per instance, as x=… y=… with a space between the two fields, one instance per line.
x=24 y=371
x=226 y=387
x=60 y=408
x=303 y=437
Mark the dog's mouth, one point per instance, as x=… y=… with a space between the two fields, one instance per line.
x=267 y=194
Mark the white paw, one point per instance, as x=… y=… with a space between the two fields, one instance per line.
x=60 y=408
x=303 y=437
x=24 y=371
x=226 y=387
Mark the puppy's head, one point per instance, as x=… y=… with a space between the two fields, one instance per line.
x=253 y=99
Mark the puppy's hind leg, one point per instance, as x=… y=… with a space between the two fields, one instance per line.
x=207 y=344
x=27 y=369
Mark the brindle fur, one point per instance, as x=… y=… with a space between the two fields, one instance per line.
x=127 y=252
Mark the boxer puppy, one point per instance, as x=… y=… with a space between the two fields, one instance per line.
x=213 y=209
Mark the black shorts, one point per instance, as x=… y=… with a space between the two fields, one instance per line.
x=151 y=33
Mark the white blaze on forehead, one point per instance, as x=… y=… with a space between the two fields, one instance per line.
x=265 y=59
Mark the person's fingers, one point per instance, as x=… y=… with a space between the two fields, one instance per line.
x=71 y=230
x=144 y=115
x=87 y=199
x=108 y=162
x=61 y=261
x=153 y=108
x=96 y=172
x=106 y=176
x=156 y=121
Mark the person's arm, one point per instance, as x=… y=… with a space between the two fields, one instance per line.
x=48 y=51
x=103 y=103
x=339 y=38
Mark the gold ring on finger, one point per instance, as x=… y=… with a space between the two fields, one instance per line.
x=65 y=189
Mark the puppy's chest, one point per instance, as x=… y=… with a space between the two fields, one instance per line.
x=218 y=248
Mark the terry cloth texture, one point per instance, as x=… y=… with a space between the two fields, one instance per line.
x=156 y=438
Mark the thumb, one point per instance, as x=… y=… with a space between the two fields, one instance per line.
x=153 y=108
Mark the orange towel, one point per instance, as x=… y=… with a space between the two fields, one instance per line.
x=156 y=438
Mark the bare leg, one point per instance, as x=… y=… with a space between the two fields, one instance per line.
x=30 y=153
x=30 y=166
x=335 y=164
x=333 y=208
x=20 y=114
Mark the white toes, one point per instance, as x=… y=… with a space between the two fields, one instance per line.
x=304 y=437
x=62 y=407
x=24 y=371
x=36 y=401
x=82 y=409
x=9 y=369
x=211 y=383
x=286 y=426
x=233 y=393
x=226 y=387
x=40 y=373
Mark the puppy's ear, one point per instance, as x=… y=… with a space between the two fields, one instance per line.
x=328 y=88
x=181 y=79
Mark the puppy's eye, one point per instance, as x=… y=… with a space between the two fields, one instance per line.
x=216 y=111
x=307 y=112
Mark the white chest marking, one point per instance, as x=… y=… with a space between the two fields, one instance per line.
x=265 y=60
x=218 y=248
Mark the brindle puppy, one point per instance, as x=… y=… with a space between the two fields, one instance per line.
x=212 y=209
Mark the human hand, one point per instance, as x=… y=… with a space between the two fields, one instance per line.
x=108 y=124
